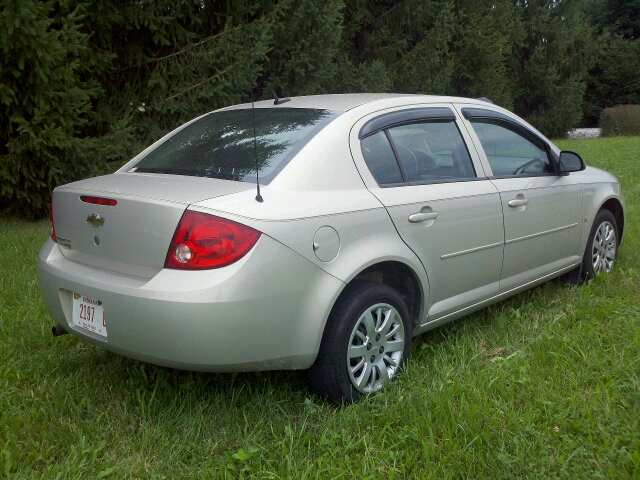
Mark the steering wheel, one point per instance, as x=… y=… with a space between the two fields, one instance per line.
x=522 y=168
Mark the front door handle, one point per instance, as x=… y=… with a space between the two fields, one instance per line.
x=518 y=202
x=422 y=216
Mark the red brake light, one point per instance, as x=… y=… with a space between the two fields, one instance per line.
x=53 y=229
x=203 y=241
x=99 y=200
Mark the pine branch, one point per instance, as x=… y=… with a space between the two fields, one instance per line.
x=389 y=11
x=198 y=84
x=179 y=52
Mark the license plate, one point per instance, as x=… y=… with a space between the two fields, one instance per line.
x=88 y=313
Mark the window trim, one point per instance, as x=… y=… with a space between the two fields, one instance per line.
x=533 y=174
x=434 y=182
x=403 y=117
x=471 y=113
x=395 y=154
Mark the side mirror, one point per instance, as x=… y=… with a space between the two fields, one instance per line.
x=571 y=162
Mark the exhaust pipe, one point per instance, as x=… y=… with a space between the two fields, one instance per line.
x=58 y=330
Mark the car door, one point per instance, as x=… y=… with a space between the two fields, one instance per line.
x=542 y=209
x=417 y=164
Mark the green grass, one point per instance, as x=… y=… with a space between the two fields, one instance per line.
x=561 y=401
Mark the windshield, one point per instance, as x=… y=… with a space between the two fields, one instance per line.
x=221 y=144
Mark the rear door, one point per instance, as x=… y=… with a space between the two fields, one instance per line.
x=417 y=164
x=542 y=209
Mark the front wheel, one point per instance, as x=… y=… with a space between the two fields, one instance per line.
x=602 y=246
x=366 y=342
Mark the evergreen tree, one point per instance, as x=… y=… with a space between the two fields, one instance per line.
x=307 y=40
x=403 y=44
x=487 y=35
x=552 y=65
x=619 y=16
x=46 y=92
x=615 y=78
x=174 y=60
x=84 y=86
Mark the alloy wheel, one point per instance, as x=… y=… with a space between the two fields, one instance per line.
x=375 y=348
x=603 y=250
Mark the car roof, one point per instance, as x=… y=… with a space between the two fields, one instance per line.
x=347 y=101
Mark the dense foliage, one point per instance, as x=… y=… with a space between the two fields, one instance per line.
x=85 y=85
x=615 y=77
x=620 y=120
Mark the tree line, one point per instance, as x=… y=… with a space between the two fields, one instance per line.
x=86 y=85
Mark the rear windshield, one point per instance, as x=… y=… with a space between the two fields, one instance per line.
x=221 y=144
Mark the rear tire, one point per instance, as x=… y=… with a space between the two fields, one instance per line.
x=366 y=342
x=602 y=246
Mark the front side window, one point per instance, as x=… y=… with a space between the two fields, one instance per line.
x=418 y=153
x=510 y=152
x=221 y=144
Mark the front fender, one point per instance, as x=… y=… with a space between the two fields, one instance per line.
x=598 y=187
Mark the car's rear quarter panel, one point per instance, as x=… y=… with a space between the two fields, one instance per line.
x=264 y=312
x=322 y=187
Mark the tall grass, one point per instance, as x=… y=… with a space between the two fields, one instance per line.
x=544 y=385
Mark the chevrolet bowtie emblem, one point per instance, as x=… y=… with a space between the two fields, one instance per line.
x=95 y=220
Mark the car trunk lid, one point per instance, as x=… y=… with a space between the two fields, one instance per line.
x=134 y=235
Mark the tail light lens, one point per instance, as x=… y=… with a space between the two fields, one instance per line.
x=204 y=241
x=53 y=229
x=99 y=200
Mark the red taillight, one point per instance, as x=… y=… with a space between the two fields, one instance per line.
x=53 y=229
x=99 y=200
x=204 y=241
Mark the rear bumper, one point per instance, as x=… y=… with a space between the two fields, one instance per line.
x=264 y=312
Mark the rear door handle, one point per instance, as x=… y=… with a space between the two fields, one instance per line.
x=422 y=216
x=518 y=202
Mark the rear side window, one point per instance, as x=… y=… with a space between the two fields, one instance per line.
x=380 y=159
x=509 y=150
x=417 y=153
x=221 y=144
x=431 y=151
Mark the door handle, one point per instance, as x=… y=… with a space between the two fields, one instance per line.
x=518 y=202
x=422 y=216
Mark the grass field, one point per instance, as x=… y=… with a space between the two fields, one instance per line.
x=544 y=385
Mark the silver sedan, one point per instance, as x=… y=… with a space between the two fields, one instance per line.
x=376 y=218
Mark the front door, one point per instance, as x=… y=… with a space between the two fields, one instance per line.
x=542 y=210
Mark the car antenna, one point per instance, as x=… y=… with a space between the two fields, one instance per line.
x=277 y=100
x=253 y=108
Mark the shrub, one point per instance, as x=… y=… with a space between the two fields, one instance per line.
x=620 y=120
